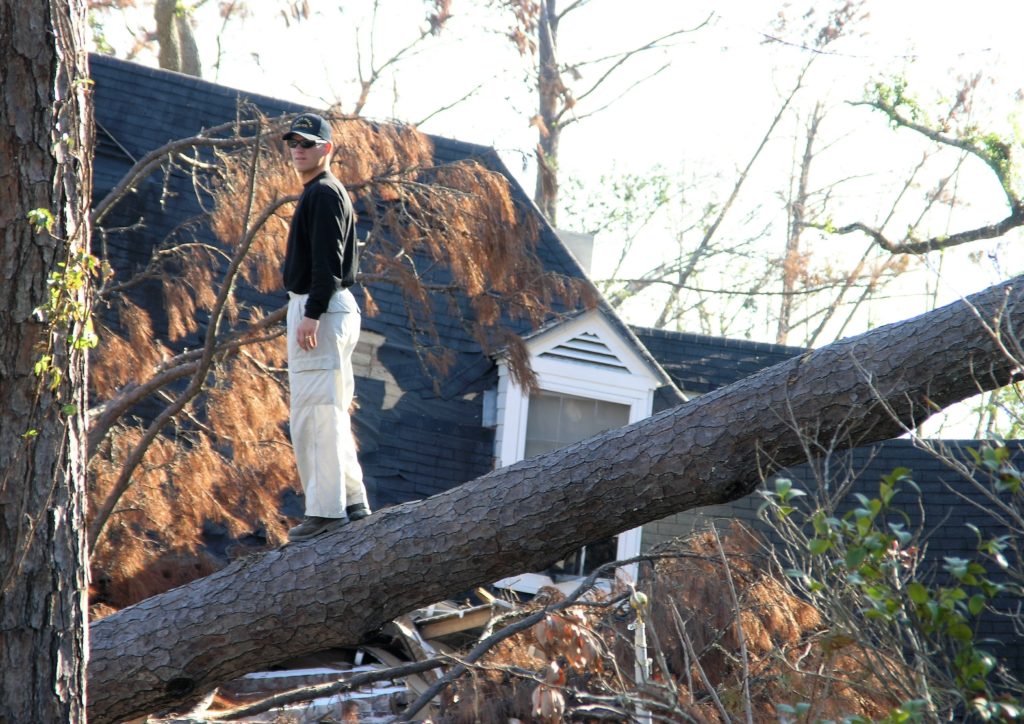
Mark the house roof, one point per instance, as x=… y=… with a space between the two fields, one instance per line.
x=700 y=363
x=427 y=442
x=140 y=108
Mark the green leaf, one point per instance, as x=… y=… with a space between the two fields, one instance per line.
x=40 y=219
x=69 y=409
x=956 y=566
x=976 y=605
x=918 y=592
x=961 y=632
x=817 y=546
x=855 y=556
x=42 y=365
x=901 y=534
x=819 y=523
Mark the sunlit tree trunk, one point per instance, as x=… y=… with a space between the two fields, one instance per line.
x=178 y=48
x=549 y=89
x=792 y=262
x=45 y=186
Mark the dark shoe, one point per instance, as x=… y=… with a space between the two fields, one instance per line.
x=312 y=526
x=357 y=511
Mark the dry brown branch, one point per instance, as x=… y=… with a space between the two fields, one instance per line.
x=740 y=636
x=158 y=156
x=195 y=387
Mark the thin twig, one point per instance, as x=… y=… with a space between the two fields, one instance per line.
x=739 y=625
x=688 y=645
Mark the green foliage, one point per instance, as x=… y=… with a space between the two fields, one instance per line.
x=67 y=306
x=67 y=309
x=1000 y=413
x=995 y=460
x=895 y=100
x=41 y=219
x=868 y=556
x=101 y=42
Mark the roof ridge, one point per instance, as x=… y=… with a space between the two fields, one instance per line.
x=716 y=339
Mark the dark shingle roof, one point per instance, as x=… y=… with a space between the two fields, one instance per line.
x=428 y=441
x=699 y=363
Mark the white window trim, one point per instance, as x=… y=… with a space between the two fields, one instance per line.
x=633 y=387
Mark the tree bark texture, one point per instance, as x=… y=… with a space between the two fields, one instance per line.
x=549 y=89
x=334 y=590
x=45 y=163
x=178 y=48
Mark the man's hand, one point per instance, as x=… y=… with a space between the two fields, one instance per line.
x=307 y=333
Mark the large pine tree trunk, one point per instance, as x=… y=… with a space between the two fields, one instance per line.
x=332 y=591
x=45 y=163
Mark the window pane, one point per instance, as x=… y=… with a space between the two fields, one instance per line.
x=542 y=419
x=554 y=420
x=608 y=416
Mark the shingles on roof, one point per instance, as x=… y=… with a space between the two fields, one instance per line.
x=699 y=363
x=140 y=108
x=425 y=443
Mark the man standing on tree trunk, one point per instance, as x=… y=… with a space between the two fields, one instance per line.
x=323 y=326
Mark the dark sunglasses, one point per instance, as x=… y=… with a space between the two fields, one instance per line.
x=293 y=142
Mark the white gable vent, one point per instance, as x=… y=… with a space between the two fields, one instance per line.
x=586 y=348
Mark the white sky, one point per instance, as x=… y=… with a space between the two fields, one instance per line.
x=722 y=74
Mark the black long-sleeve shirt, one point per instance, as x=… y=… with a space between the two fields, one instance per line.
x=321 y=257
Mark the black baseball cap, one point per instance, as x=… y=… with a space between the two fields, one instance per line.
x=309 y=126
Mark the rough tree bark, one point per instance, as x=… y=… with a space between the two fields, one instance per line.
x=334 y=590
x=45 y=164
x=549 y=89
x=178 y=48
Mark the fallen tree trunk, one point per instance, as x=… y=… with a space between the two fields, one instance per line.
x=334 y=590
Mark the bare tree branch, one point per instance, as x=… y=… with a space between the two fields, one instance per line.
x=993 y=152
x=153 y=160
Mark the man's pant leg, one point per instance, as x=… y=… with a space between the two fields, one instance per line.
x=355 y=491
x=316 y=426
x=321 y=427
